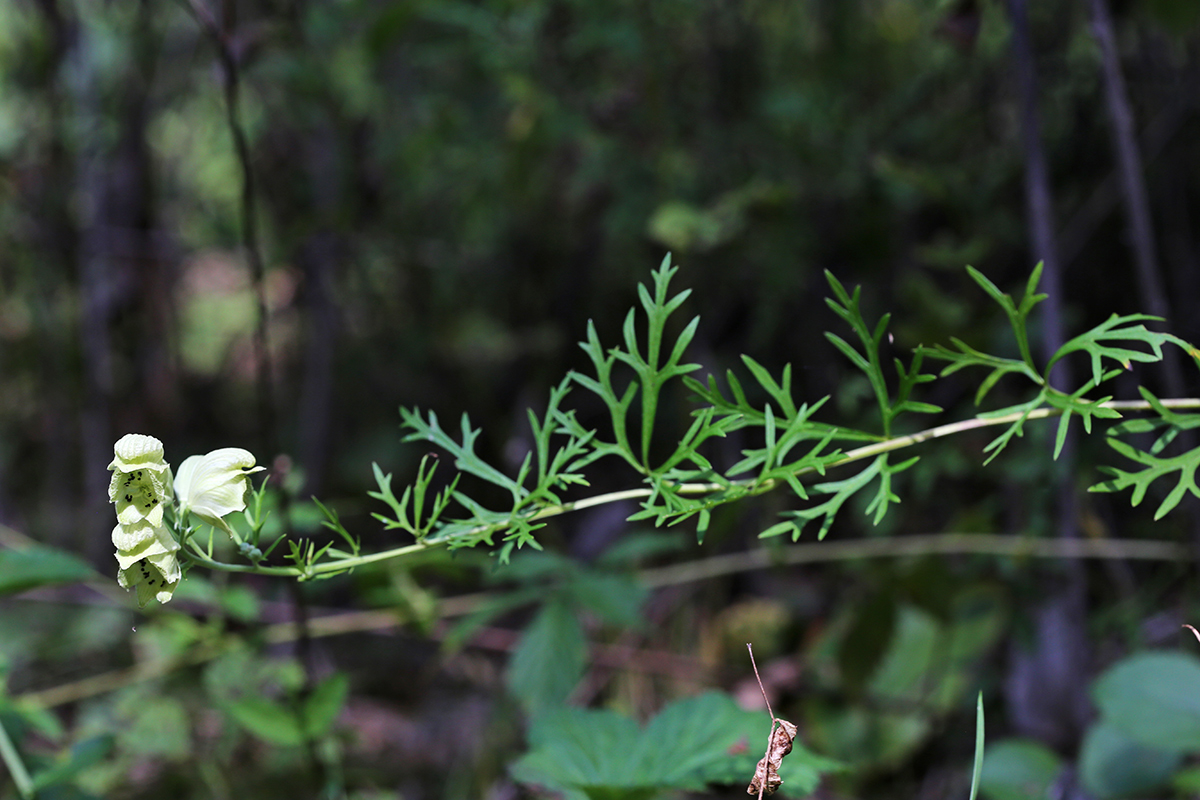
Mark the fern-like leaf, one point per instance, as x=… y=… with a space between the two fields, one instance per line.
x=1098 y=343
x=1155 y=468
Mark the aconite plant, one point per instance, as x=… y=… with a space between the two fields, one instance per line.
x=822 y=463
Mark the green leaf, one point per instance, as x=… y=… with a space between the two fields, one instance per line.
x=324 y=704
x=841 y=490
x=909 y=379
x=67 y=765
x=1111 y=764
x=1017 y=315
x=884 y=496
x=1017 y=428
x=977 y=765
x=1185 y=464
x=1154 y=699
x=549 y=659
x=1076 y=404
x=267 y=719
x=1115 y=329
x=422 y=521
x=691 y=743
x=967 y=356
x=856 y=358
x=770 y=460
x=577 y=748
x=22 y=570
x=1019 y=769
x=739 y=413
x=1170 y=422
x=780 y=392
x=602 y=386
x=465 y=458
x=846 y=306
x=617 y=599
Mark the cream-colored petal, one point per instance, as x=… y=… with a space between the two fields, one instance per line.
x=150 y=582
x=142 y=496
x=168 y=565
x=141 y=540
x=183 y=475
x=132 y=513
x=135 y=451
x=215 y=485
x=142 y=481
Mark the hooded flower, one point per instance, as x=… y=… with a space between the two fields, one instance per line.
x=214 y=485
x=146 y=551
x=152 y=567
x=141 y=479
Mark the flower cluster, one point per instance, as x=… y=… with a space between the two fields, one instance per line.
x=140 y=487
x=210 y=487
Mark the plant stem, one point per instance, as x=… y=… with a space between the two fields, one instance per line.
x=990 y=544
x=16 y=767
x=857 y=454
x=340 y=623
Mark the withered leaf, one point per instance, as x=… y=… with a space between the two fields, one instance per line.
x=766 y=774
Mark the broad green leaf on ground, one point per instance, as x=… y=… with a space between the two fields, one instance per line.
x=1019 y=769
x=927 y=668
x=1153 y=699
x=324 y=704
x=617 y=599
x=267 y=719
x=549 y=660
x=1112 y=764
x=691 y=743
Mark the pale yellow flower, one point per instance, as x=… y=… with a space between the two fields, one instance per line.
x=215 y=485
x=154 y=576
x=140 y=487
x=141 y=479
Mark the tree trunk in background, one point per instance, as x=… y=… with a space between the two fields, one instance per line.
x=1039 y=202
x=55 y=240
x=1045 y=688
x=115 y=257
x=1133 y=185
x=1136 y=201
x=97 y=294
x=317 y=258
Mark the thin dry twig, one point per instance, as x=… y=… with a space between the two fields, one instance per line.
x=779 y=743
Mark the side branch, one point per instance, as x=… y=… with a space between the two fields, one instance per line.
x=694 y=489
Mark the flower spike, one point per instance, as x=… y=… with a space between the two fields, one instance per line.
x=145 y=550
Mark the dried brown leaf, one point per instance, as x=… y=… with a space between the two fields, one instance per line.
x=766 y=774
